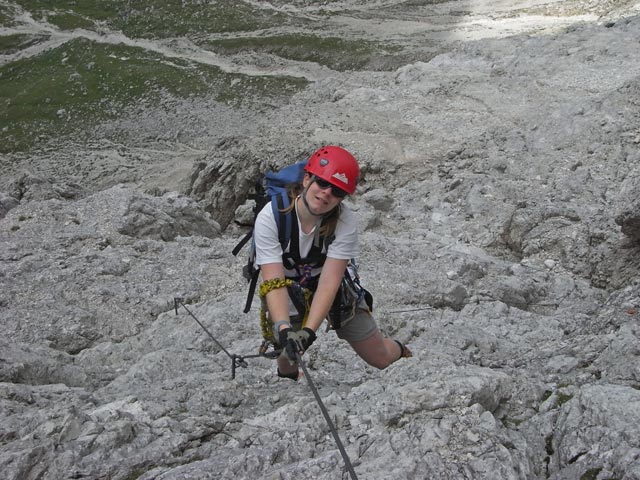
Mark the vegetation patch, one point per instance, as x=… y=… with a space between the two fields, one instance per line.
x=10 y=44
x=563 y=398
x=591 y=474
x=336 y=53
x=162 y=19
x=176 y=18
x=90 y=9
x=7 y=14
x=67 y=89
x=423 y=3
x=70 y=21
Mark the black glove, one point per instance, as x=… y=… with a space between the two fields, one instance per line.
x=306 y=337
x=282 y=337
x=294 y=344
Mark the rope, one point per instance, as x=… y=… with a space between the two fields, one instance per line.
x=236 y=360
x=239 y=361
x=325 y=413
x=273 y=284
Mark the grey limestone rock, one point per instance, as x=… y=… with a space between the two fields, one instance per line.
x=628 y=215
x=7 y=202
x=498 y=209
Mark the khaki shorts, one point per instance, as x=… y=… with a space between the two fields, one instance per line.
x=359 y=328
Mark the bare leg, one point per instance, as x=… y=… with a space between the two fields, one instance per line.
x=285 y=369
x=378 y=351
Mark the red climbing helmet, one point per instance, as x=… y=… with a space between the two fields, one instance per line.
x=336 y=166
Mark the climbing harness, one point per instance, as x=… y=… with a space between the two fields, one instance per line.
x=349 y=296
x=236 y=360
x=325 y=413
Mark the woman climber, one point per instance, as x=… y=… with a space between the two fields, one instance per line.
x=315 y=277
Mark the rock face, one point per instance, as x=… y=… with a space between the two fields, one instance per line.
x=499 y=228
x=67 y=264
x=628 y=216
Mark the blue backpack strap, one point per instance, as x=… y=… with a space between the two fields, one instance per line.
x=280 y=202
x=274 y=187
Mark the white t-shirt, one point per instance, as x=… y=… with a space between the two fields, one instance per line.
x=268 y=249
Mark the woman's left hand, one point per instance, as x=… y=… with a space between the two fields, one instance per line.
x=297 y=342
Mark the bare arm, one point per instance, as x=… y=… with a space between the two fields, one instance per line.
x=330 y=278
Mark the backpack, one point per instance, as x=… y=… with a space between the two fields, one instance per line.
x=273 y=188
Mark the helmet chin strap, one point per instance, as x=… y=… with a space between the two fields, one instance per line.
x=306 y=204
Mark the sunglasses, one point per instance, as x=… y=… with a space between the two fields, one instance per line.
x=335 y=191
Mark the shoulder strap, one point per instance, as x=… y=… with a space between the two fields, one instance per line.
x=243 y=241
x=252 y=290
x=293 y=259
x=260 y=198
x=284 y=221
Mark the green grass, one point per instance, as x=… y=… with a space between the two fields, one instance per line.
x=14 y=43
x=563 y=398
x=591 y=474
x=92 y=9
x=70 y=21
x=336 y=53
x=7 y=13
x=162 y=18
x=173 y=18
x=69 y=88
x=422 y=3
